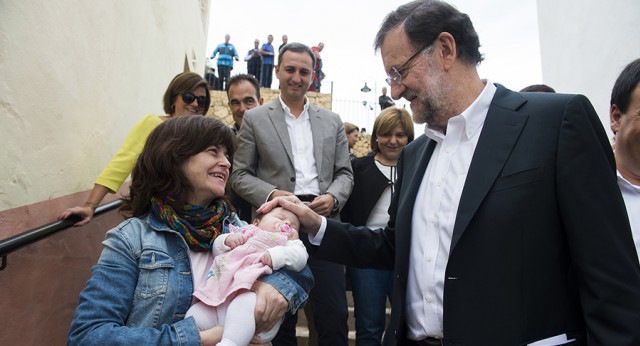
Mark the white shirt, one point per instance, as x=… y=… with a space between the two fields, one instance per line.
x=631 y=195
x=304 y=161
x=434 y=215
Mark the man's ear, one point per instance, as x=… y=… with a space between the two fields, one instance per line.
x=614 y=118
x=448 y=50
x=261 y=101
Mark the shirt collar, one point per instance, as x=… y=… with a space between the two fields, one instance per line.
x=473 y=117
x=287 y=110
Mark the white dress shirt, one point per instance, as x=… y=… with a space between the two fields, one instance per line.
x=631 y=195
x=304 y=161
x=434 y=215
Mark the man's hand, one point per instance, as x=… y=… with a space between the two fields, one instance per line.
x=322 y=204
x=309 y=221
x=270 y=306
x=278 y=193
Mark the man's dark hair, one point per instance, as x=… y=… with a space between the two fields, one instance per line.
x=243 y=76
x=538 y=88
x=624 y=86
x=297 y=47
x=424 y=20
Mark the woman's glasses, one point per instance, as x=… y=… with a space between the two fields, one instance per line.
x=189 y=97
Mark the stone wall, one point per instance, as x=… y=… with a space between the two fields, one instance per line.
x=220 y=109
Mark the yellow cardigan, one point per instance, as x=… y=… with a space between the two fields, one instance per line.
x=122 y=163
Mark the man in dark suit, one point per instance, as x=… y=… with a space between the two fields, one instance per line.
x=290 y=146
x=506 y=226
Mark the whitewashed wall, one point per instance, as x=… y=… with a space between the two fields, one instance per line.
x=75 y=76
x=585 y=44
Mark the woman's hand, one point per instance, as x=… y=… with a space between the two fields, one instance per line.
x=211 y=337
x=270 y=306
x=85 y=213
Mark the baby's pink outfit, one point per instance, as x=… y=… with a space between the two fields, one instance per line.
x=238 y=269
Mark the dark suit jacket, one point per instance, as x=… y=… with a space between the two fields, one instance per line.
x=541 y=244
x=368 y=185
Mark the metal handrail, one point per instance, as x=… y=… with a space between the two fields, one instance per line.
x=18 y=241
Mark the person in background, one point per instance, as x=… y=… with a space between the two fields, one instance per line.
x=625 y=124
x=239 y=259
x=211 y=78
x=506 y=226
x=267 y=53
x=291 y=146
x=384 y=100
x=352 y=132
x=318 y=75
x=254 y=62
x=243 y=94
x=373 y=179
x=187 y=94
x=225 y=61
x=142 y=285
x=538 y=88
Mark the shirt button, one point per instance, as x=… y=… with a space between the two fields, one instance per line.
x=293 y=180
x=429 y=258
x=448 y=150
x=428 y=299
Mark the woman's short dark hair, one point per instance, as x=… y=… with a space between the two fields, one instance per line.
x=424 y=20
x=183 y=83
x=625 y=85
x=349 y=127
x=158 y=170
x=387 y=121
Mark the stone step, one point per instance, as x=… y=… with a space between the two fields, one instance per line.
x=302 y=330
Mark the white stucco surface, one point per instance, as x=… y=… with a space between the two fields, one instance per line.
x=75 y=76
x=585 y=44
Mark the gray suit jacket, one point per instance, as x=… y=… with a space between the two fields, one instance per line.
x=264 y=159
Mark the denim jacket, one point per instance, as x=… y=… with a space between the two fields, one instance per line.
x=142 y=286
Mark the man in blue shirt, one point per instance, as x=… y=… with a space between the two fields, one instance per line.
x=266 y=51
x=225 y=61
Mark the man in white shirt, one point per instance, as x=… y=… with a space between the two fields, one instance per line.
x=507 y=226
x=625 y=124
x=290 y=146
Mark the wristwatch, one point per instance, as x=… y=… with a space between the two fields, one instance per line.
x=336 y=205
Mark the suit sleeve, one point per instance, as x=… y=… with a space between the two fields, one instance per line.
x=244 y=180
x=342 y=173
x=598 y=231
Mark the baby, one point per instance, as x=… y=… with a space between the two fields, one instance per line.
x=240 y=258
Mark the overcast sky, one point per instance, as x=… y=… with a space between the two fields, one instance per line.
x=508 y=33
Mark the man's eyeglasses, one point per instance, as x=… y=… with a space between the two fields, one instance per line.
x=395 y=74
x=189 y=97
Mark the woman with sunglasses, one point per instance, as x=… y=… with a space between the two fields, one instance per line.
x=187 y=94
x=142 y=286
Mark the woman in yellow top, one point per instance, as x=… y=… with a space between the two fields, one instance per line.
x=187 y=94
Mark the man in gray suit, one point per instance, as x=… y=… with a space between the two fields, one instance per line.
x=288 y=147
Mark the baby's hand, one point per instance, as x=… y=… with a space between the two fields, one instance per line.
x=234 y=240
x=266 y=259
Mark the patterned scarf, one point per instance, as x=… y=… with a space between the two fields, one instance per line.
x=198 y=225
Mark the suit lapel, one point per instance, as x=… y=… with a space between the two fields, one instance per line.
x=500 y=132
x=317 y=132
x=277 y=116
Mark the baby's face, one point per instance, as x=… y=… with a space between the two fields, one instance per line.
x=276 y=217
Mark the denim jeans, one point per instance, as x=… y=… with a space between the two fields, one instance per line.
x=370 y=288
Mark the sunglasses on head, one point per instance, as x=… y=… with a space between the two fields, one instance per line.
x=189 y=97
